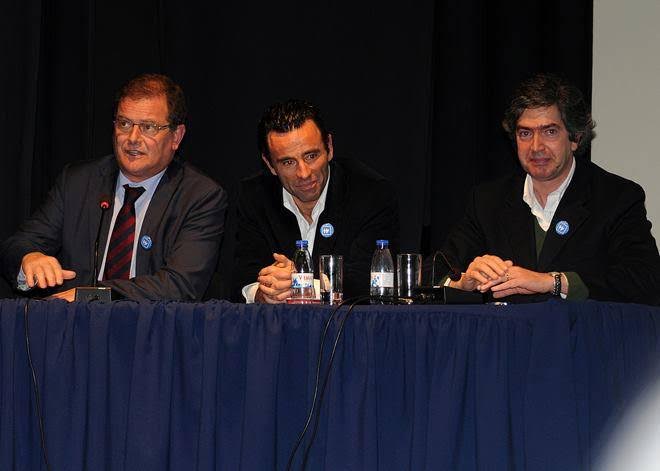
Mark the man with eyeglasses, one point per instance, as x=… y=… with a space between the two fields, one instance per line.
x=164 y=222
x=339 y=206
x=566 y=228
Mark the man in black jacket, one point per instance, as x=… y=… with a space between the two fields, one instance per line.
x=565 y=227
x=339 y=207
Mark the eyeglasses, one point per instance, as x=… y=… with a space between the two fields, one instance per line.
x=125 y=126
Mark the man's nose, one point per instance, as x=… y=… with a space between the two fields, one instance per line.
x=303 y=170
x=134 y=134
x=537 y=142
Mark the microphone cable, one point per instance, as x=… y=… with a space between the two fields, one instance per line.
x=319 y=360
x=35 y=384
x=328 y=370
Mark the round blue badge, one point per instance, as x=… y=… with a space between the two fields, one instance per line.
x=562 y=228
x=327 y=230
x=146 y=242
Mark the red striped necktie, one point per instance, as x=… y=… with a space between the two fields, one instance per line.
x=120 y=250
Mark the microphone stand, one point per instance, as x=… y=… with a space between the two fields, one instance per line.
x=454 y=274
x=95 y=292
x=104 y=205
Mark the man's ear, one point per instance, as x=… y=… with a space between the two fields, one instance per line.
x=267 y=162
x=178 y=136
x=331 y=151
x=576 y=143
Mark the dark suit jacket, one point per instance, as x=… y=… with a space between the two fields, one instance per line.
x=609 y=243
x=184 y=220
x=360 y=204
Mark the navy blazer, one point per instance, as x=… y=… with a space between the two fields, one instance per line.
x=360 y=204
x=608 y=243
x=184 y=220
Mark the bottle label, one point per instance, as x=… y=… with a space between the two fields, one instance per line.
x=302 y=280
x=380 y=279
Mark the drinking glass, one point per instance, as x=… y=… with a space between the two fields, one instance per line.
x=331 y=277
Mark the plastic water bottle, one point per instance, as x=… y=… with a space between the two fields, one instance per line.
x=382 y=274
x=302 y=277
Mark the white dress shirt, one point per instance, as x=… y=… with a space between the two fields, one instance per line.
x=545 y=214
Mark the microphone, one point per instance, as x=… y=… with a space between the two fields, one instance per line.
x=95 y=292
x=445 y=294
x=454 y=273
x=104 y=204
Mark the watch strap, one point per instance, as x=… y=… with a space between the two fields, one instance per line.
x=556 y=288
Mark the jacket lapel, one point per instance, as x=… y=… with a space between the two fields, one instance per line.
x=571 y=213
x=155 y=215
x=282 y=224
x=336 y=198
x=285 y=231
x=518 y=226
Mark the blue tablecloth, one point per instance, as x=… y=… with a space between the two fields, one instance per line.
x=219 y=386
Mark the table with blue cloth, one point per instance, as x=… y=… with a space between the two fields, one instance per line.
x=221 y=386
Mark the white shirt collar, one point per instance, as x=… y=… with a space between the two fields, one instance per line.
x=307 y=230
x=149 y=184
x=545 y=214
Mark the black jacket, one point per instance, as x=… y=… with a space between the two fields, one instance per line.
x=360 y=204
x=608 y=243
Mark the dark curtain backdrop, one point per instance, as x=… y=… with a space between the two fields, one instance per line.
x=415 y=90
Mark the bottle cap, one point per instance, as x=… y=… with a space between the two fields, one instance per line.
x=382 y=243
x=301 y=244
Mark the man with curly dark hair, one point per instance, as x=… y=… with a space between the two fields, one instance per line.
x=567 y=227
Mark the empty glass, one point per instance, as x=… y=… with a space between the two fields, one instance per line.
x=331 y=278
x=408 y=274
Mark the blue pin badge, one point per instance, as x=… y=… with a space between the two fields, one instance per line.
x=146 y=242
x=562 y=228
x=327 y=230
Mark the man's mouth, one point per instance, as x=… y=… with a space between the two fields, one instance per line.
x=540 y=159
x=133 y=152
x=306 y=186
